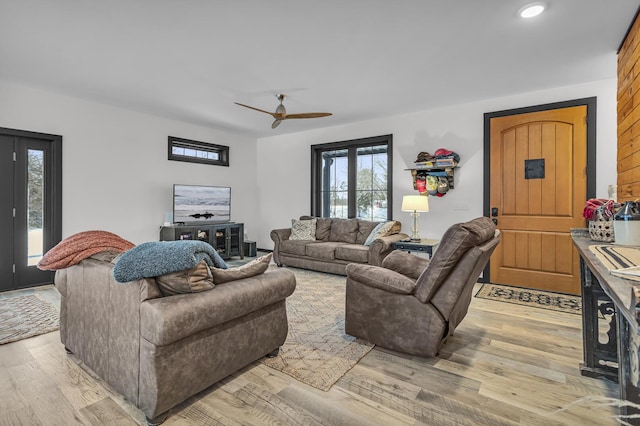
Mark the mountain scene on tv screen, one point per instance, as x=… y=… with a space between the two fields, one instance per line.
x=202 y=204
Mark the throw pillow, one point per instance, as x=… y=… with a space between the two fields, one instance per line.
x=192 y=280
x=381 y=230
x=106 y=256
x=253 y=268
x=323 y=229
x=303 y=229
x=344 y=230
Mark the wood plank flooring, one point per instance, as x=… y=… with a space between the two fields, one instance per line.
x=505 y=365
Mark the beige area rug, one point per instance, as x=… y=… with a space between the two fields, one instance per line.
x=26 y=316
x=317 y=350
x=529 y=297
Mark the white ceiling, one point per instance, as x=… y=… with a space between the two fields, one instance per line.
x=359 y=59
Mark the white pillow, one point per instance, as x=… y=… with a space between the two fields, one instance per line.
x=303 y=229
x=381 y=230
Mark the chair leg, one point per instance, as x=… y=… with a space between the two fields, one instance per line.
x=274 y=353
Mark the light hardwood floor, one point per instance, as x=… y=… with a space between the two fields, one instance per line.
x=505 y=365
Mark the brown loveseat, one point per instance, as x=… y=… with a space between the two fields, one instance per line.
x=413 y=304
x=337 y=243
x=158 y=351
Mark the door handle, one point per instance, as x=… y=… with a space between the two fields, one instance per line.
x=495 y=220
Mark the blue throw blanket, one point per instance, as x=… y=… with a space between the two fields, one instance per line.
x=158 y=258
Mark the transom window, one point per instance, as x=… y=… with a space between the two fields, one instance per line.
x=352 y=179
x=198 y=152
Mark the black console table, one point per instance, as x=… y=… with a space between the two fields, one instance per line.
x=424 y=246
x=611 y=307
x=226 y=238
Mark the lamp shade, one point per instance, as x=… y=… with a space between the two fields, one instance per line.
x=417 y=203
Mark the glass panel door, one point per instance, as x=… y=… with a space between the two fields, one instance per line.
x=31 y=208
x=34 y=212
x=221 y=240
x=35 y=205
x=234 y=240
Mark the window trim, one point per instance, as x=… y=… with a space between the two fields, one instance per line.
x=221 y=150
x=316 y=169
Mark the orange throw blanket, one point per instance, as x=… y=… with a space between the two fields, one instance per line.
x=77 y=247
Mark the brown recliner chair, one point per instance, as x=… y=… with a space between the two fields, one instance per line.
x=412 y=304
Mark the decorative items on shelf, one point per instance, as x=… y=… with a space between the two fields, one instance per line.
x=599 y=212
x=433 y=173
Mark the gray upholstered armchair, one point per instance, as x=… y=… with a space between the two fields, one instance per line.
x=412 y=304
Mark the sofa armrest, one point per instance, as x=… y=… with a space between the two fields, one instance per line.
x=405 y=263
x=381 y=247
x=278 y=236
x=383 y=279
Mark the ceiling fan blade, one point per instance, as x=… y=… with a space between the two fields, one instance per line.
x=309 y=115
x=257 y=109
x=276 y=123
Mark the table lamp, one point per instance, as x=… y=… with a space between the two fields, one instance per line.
x=415 y=204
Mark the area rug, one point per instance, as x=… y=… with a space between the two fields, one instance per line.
x=26 y=316
x=317 y=350
x=529 y=297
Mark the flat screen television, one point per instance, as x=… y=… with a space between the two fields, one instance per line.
x=201 y=204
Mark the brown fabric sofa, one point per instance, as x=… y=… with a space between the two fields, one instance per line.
x=412 y=304
x=158 y=351
x=338 y=242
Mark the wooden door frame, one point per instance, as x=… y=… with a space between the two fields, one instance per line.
x=590 y=103
x=55 y=212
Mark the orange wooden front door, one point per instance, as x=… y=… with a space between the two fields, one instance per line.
x=535 y=209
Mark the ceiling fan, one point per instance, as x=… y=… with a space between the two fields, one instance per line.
x=281 y=112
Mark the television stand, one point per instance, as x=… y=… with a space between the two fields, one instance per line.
x=226 y=238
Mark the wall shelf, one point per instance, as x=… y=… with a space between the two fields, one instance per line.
x=447 y=172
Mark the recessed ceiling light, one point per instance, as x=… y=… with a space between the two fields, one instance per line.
x=531 y=10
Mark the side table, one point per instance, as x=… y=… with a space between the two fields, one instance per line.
x=423 y=246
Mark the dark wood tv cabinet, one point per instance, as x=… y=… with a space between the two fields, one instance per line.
x=226 y=238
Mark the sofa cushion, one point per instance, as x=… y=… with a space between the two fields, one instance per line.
x=456 y=241
x=297 y=247
x=251 y=269
x=323 y=250
x=405 y=263
x=344 y=230
x=364 y=230
x=323 y=229
x=192 y=280
x=353 y=253
x=303 y=229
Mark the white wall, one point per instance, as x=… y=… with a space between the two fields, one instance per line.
x=116 y=175
x=284 y=167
